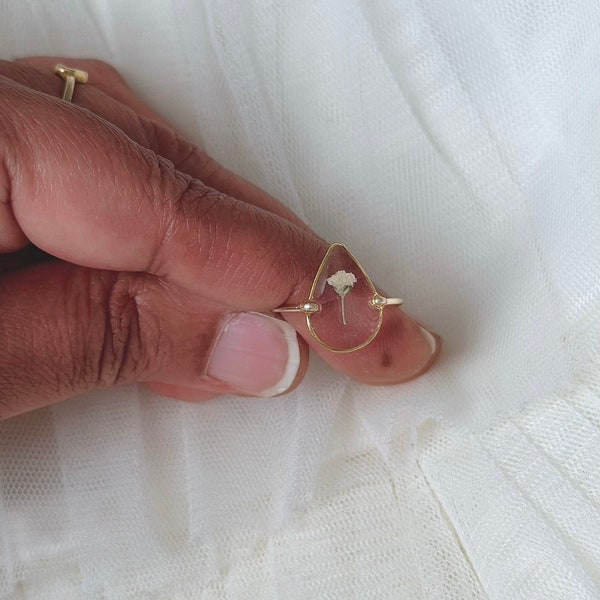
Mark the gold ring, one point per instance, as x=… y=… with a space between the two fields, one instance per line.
x=344 y=310
x=71 y=77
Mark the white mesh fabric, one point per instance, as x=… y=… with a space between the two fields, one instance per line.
x=454 y=146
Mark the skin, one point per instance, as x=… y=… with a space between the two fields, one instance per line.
x=123 y=246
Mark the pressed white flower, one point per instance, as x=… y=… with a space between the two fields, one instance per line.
x=342 y=282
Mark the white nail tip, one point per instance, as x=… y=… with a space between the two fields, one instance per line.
x=430 y=338
x=293 y=361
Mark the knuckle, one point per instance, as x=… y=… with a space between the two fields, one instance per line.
x=127 y=339
x=188 y=215
x=94 y=333
x=153 y=135
x=185 y=156
x=190 y=159
x=160 y=138
x=200 y=209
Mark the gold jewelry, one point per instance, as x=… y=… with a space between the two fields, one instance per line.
x=344 y=311
x=71 y=77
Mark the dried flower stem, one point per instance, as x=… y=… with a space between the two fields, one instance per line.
x=342 y=282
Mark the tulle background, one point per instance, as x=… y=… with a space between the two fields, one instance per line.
x=454 y=146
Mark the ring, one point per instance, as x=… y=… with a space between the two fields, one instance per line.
x=71 y=77
x=344 y=310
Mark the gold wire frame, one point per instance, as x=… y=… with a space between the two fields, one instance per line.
x=310 y=307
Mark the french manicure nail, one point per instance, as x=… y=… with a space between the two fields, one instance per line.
x=431 y=339
x=255 y=354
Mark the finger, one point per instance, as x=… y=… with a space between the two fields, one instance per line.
x=162 y=138
x=108 y=96
x=148 y=217
x=67 y=329
x=104 y=77
x=82 y=191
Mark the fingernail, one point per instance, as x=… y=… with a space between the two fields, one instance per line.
x=430 y=338
x=255 y=354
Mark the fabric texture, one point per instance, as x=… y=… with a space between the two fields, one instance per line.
x=454 y=146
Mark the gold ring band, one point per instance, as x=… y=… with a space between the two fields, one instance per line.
x=71 y=76
x=313 y=307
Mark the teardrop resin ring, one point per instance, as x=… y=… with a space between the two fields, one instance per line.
x=343 y=311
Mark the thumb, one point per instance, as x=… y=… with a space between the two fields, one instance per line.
x=66 y=329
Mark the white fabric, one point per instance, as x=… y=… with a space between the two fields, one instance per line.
x=454 y=146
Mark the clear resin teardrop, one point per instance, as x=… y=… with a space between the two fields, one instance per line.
x=347 y=319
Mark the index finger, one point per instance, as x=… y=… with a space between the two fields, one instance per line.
x=107 y=95
x=84 y=192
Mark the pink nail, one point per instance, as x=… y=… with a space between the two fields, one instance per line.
x=255 y=354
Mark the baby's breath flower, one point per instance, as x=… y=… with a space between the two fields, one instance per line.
x=342 y=282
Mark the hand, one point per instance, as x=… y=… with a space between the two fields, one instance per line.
x=128 y=255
